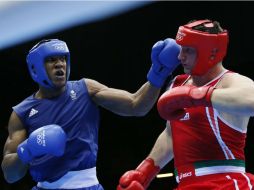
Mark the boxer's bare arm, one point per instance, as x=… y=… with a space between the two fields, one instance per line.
x=122 y=102
x=12 y=166
x=162 y=151
x=234 y=95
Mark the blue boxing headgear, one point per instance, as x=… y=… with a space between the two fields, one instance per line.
x=36 y=60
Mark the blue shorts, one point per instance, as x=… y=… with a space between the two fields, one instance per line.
x=95 y=187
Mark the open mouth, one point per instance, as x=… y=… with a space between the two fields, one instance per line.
x=59 y=73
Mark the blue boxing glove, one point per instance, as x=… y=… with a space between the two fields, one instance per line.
x=164 y=58
x=49 y=139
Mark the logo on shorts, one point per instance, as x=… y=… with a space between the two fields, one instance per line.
x=184 y=175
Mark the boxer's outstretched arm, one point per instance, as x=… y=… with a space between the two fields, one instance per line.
x=122 y=102
x=164 y=58
x=13 y=168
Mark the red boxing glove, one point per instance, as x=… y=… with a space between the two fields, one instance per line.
x=171 y=104
x=140 y=178
x=134 y=185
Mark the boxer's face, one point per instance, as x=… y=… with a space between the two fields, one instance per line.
x=188 y=56
x=56 y=70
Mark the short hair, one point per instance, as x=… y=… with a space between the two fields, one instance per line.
x=212 y=28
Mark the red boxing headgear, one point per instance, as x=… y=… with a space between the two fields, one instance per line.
x=211 y=48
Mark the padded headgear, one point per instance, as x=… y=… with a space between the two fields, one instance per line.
x=211 y=48
x=36 y=60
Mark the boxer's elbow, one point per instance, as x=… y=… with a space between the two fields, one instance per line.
x=10 y=179
x=141 y=113
x=12 y=176
x=12 y=172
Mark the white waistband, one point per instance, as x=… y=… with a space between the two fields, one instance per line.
x=73 y=180
x=210 y=170
x=219 y=169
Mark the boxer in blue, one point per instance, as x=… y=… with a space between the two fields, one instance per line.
x=54 y=132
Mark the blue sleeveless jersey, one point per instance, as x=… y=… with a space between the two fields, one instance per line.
x=76 y=113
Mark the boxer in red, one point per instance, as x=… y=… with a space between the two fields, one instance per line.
x=207 y=111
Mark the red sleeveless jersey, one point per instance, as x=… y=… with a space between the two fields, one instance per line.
x=203 y=135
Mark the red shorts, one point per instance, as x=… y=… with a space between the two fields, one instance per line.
x=223 y=181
